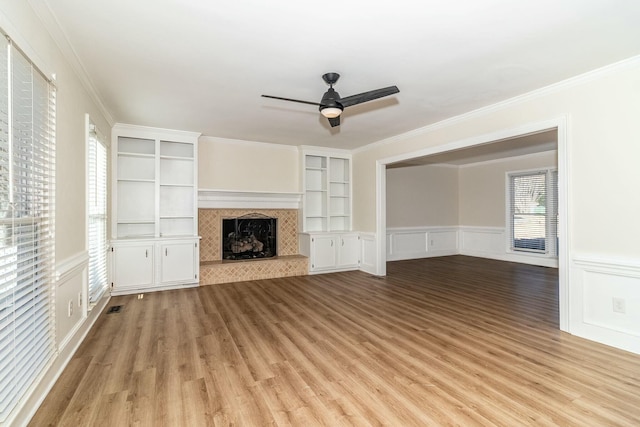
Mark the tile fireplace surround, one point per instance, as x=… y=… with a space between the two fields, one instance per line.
x=213 y=270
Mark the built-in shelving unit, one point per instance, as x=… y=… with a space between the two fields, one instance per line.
x=154 y=222
x=178 y=194
x=136 y=177
x=327 y=192
x=339 y=194
x=326 y=236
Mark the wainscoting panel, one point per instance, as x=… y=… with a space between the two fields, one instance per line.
x=70 y=285
x=368 y=253
x=421 y=242
x=71 y=276
x=491 y=242
x=605 y=301
x=482 y=241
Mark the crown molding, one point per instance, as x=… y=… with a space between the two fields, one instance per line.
x=244 y=142
x=145 y=131
x=60 y=38
x=580 y=79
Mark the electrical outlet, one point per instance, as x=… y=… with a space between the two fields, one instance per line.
x=619 y=305
x=70 y=310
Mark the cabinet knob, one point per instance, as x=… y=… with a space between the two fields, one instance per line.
x=146 y=253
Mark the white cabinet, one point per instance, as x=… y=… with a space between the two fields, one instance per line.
x=154 y=202
x=323 y=254
x=132 y=266
x=147 y=265
x=326 y=183
x=349 y=251
x=178 y=262
x=329 y=252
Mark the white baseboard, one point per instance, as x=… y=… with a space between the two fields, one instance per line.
x=511 y=257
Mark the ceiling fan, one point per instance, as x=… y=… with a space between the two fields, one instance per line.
x=331 y=105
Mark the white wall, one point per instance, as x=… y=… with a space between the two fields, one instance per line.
x=482 y=198
x=73 y=101
x=482 y=187
x=227 y=164
x=422 y=211
x=600 y=110
x=422 y=196
x=435 y=210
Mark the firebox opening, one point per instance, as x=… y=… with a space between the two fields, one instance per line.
x=250 y=236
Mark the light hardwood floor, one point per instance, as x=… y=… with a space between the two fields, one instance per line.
x=441 y=341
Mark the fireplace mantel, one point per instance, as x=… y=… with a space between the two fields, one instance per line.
x=233 y=199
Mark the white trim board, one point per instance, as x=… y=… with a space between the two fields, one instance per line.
x=482 y=242
x=535 y=94
x=230 y=199
x=600 y=281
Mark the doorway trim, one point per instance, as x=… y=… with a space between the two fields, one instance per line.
x=561 y=125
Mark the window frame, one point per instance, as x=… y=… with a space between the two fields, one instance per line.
x=551 y=209
x=92 y=296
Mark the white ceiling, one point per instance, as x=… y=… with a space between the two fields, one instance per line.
x=201 y=65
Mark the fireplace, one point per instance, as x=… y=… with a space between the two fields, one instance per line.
x=249 y=236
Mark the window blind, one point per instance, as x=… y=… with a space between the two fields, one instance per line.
x=27 y=176
x=97 y=215
x=533 y=211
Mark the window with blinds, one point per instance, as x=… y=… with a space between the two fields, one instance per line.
x=533 y=211
x=96 y=214
x=27 y=156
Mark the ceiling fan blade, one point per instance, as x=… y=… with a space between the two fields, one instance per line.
x=368 y=96
x=292 y=100
x=334 y=121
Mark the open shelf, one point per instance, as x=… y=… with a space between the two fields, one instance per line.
x=154 y=184
x=327 y=198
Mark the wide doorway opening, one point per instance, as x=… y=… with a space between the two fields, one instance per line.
x=476 y=199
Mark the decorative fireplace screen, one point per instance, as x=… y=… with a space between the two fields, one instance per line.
x=249 y=236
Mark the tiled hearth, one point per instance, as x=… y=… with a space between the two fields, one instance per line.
x=213 y=270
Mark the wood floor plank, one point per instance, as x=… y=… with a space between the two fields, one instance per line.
x=142 y=397
x=440 y=341
x=54 y=407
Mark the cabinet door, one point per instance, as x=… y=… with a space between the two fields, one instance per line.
x=133 y=266
x=323 y=252
x=178 y=261
x=349 y=250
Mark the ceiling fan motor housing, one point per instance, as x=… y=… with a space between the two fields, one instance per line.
x=331 y=99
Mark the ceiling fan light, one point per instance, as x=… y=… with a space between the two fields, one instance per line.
x=331 y=112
